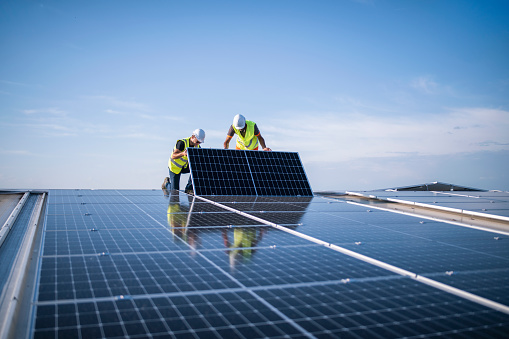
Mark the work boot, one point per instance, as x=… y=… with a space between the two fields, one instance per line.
x=165 y=183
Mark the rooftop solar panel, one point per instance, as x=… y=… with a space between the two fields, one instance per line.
x=278 y=173
x=491 y=204
x=211 y=267
x=240 y=172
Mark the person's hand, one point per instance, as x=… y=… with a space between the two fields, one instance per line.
x=267 y=149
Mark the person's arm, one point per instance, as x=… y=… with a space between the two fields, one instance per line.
x=179 y=150
x=177 y=154
x=229 y=137
x=227 y=142
x=262 y=143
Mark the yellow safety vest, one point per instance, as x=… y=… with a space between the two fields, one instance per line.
x=249 y=141
x=176 y=220
x=243 y=240
x=176 y=165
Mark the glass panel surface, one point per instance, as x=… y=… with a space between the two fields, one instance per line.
x=158 y=265
x=239 y=172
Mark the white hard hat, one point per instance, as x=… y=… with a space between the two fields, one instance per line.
x=199 y=134
x=239 y=122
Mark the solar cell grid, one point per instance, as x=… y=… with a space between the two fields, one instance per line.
x=107 y=240
x=229 y=279
x=281 y=265
x=102 y=221
x=94 y=208
x=423 y=256
x=238 y=172
x=491 y=284
x=369 y=216
x=266 y=206
x=252 y=199
x=210 y=219
x=216 y=173
x=373 y=309
x=225 y=239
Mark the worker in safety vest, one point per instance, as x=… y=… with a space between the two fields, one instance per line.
x=179 y=218
x=245 y=241
x=178 y=162
x=248 y=135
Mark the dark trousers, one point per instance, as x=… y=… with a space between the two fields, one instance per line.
x=175 y=180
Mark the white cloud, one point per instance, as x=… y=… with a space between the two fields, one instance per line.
x=15 y=83
x=47 y=129
x=144 y=116
x=171 y=118
x=147 y=116
x=62 y=134
x=331 y=137
x=492 y=143
x=135 y=115
x=55 y=130
x=15 y=152
x=111 y=111
x=55 y=127
x=141 y=136
x=52 y=111
x=424 y=84
x=127 y=104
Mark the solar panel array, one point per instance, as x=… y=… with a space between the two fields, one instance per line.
x=240 y=172
x=489 y=203
x=144 y=264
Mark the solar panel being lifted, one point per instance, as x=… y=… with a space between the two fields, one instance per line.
x=239 y=172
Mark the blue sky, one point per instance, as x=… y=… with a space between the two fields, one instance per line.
x=372 y=94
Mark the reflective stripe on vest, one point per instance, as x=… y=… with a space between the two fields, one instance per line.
x=176 y=165
x=249 y=141
x=174 y=162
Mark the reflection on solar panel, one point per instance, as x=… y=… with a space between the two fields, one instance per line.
x=239 y=172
